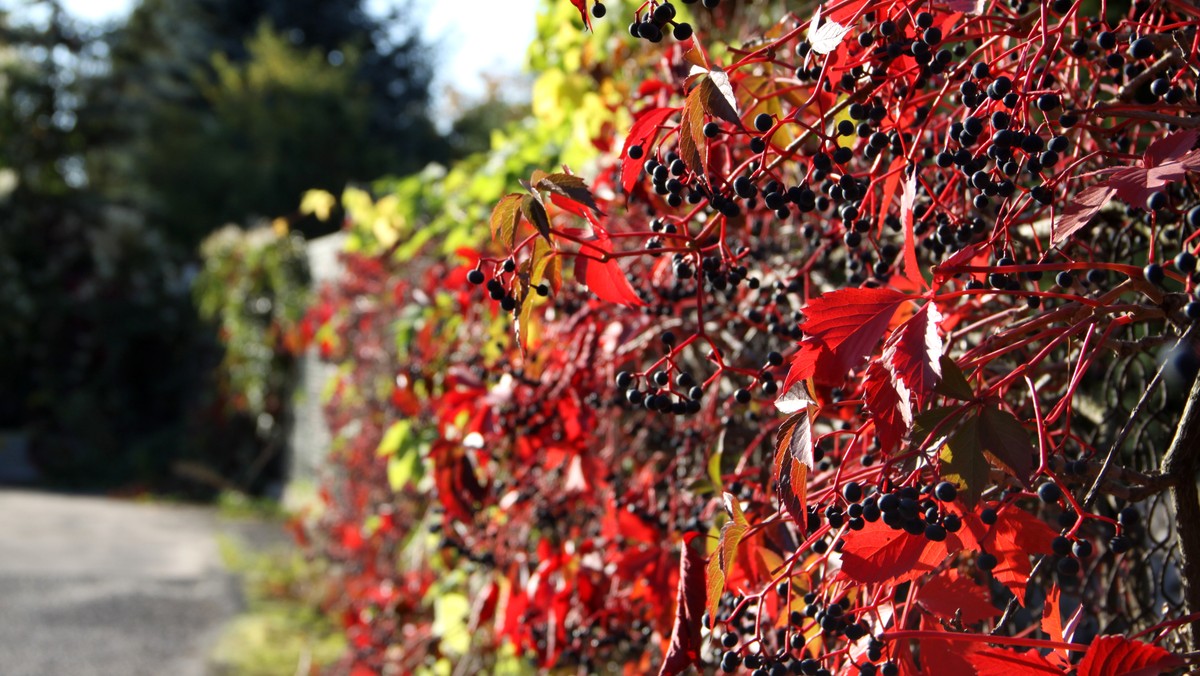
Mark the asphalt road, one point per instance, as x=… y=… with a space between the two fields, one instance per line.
x=99 y=587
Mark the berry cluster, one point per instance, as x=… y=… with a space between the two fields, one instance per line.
x=654 y=22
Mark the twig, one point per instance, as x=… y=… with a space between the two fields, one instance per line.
x=1094 y=491
x=1180 y=463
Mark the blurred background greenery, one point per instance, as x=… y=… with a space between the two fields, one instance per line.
x=145 y=345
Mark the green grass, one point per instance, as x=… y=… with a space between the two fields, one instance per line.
x=282 y=631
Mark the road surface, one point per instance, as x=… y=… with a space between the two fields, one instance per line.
x=100 y=587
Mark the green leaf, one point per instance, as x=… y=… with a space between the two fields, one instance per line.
x=1005 y=439
x=571 y=187
x=394 y=438
x=722 y=559
x=963 y=462
x=405 y=467
x=714 y=461
x=535 y=213
x=953 y=384
x=504 y=220
x=926 y=422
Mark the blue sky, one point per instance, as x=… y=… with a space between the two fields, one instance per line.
x=483 y=36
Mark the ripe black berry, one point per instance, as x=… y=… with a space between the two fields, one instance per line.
x=763 y=121
x=924 y=19
x=988 y=516
x=1119 y=544
x=1068 y=566
x=599 y=10
x=986 y=561
x=1047 y=102
x=1154 y=274
x=742 y=396
x=1129 y=516
x=1049 y=492
x=635 y=152
x=946 y=491
x=682 y=31
x=1141 y=48
x=475 y=277
x=1082 y=549
x=852 y=492
x=1185 y=262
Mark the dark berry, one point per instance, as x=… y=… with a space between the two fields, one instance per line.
x=1068 y=566
x=599 y=10
x=1047 y=102
x=1119 y=544
x=988 y=516
x=1060 y=545
x=635 y=152
x=763 y=121
x=1082 y=549
x=1154 y=273
x=1185 y=262
x=1049 y=492
x=682 y=31
x=1141 y=48
x=946 y=491
x=1129 y=516
x=852 y=492
x=475 y=277
x=986 y=561
x=742 y=396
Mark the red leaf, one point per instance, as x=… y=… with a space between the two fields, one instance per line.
x=912 y=268
x=877 y=554
x=1016 y=536
x=693 y=144
x=1052 y=614
x=793 y=459
x=581 y=5
x=685 y=636
x=1083 y=207
x=849 y=323
x=884 y=402
x=1117 y=656
x=949 y=593
x=795 y=437
x=890 y=184
x=1000 y=662
x=643 y=133
x=1167 y=160
x=913 y=356
x=1172 y=146
x=605 y=278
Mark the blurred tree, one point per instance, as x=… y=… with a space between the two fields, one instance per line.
x=474 y=121
x=218 y=110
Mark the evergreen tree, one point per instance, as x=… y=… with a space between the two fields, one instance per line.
x=220 y=110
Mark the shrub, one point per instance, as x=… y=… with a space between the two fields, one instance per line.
x=871 y=349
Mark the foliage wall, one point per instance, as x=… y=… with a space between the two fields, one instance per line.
x=857 y=342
